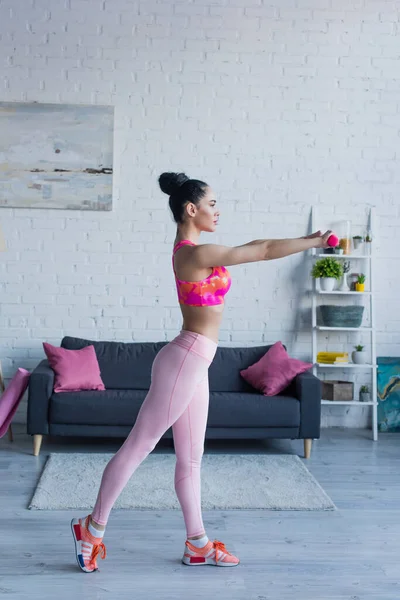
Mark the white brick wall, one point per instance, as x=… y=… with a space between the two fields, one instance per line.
x=276 y=105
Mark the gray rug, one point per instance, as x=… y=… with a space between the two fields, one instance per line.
x=245 y=481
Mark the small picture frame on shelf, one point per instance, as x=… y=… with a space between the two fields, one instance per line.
x=353 y=278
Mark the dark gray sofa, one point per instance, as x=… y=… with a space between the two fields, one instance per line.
x=236 y=409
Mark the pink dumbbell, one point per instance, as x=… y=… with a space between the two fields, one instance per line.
x=333 y=240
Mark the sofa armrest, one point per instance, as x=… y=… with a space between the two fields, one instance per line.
x=308 y=391
x=41 y=383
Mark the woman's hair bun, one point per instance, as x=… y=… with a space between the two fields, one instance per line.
x=171 y=182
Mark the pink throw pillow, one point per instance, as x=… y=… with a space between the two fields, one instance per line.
x=75 y=370
x=274 y=371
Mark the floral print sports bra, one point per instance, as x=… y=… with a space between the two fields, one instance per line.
x=207 y=292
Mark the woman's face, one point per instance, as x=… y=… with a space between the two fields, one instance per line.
x=206 y=215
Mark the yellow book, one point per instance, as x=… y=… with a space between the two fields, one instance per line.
x=332 y=360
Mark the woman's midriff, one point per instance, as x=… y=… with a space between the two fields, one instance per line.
x=205 y=320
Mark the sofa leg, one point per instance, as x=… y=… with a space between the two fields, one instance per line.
x=307 y=448
x=37 y=442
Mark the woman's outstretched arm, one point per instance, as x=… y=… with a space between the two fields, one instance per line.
x=214 y=255
x=285 y=247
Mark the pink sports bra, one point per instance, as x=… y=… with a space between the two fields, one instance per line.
x=207 y=292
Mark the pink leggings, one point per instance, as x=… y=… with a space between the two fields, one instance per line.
x=178 y=396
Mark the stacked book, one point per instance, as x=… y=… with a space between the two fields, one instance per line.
x=333 y=358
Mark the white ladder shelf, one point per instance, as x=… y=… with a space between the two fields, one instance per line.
x=368 y=259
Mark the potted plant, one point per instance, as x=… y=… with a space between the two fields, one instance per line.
x=360 y=284
x=328 y=270
x=344 y=286
x=338 y=250
x=359 y=356
x=365 y=395
x=357 y=241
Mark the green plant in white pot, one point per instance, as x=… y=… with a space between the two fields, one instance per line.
x=365 y=395
x=357 y=241
x=359 y=356
x=328 y=270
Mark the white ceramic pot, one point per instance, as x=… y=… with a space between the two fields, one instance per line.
x=357 y=243
x=328 y=284
x=359 y=358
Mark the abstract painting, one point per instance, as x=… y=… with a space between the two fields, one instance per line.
x=388 y=393
x=56 y=156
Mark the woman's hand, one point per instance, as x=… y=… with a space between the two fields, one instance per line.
x=321 y=241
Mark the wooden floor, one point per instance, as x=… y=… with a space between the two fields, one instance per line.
x=352 y=553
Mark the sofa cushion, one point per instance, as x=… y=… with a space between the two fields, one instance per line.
x=111 y=407
x=274 y=371
x=235 y=409
x=121 y=407
x=224 y=371
x=75 y=370
x=123 y=365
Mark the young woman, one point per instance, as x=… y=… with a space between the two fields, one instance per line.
x=179 y=394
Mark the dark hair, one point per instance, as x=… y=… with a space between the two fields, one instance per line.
x=181 y=189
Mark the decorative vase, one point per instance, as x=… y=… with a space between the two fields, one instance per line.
x=359 y=358
x=357 y=243
x=343 y=231
x=365 y=397
x=360 y=287
x=345 y=243
x=344 y=286
x=327 y=284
